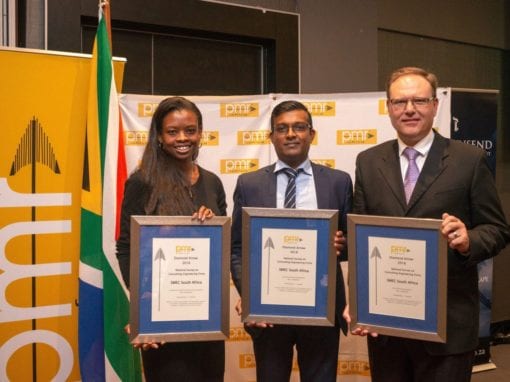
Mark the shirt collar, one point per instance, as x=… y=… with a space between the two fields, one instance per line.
x=306 y=166
x=422 y=146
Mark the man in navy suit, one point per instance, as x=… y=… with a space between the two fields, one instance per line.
x=452 y=182
x=316 y=187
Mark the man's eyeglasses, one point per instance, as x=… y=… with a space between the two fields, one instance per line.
x=399 y=104
x=296 y=127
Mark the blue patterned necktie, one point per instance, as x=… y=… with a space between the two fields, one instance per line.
x=290 y=191
x=412 y=172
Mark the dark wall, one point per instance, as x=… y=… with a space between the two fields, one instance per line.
x=479 y=23
x=338 y=46
x=210 y=26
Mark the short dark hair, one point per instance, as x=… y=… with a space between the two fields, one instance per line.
x=286 y=106
x=412 y=70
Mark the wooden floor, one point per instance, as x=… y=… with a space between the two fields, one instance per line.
x=500 y=356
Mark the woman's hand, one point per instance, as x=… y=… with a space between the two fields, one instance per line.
x=202 y=214
x=145 y=345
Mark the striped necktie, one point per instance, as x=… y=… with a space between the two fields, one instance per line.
x=290 y=191
x=412 y=172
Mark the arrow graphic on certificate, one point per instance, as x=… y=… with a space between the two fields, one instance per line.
x=159 y=256
x=377 y=255
x=268 y=244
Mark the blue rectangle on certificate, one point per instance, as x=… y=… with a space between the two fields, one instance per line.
x=148 y=265
x=363 y=259
x=322 y=227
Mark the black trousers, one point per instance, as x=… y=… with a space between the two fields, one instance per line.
x=394 y=359
x=185 y=361
x=317 y=352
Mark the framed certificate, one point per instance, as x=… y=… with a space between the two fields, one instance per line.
x=289 y=266
x=180 y=279
x=398 y=276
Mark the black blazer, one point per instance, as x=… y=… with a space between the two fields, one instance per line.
x=258 y=189
x=455 y=179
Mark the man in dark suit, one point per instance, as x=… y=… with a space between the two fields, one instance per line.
x=442 y=179
x=316 y=187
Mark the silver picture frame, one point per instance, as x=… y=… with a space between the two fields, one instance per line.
x=398 y=276
x=289 y=266
x=180 y=279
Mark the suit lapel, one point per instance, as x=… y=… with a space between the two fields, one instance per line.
x=322 y=186
x=434 y=165
x=268 y=187
x=389 y=166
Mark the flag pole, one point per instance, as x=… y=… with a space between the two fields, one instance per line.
x=105 y=4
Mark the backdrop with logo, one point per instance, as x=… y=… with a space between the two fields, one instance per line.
x=236 y=131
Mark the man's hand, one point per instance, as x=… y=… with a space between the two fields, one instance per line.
x=360 y=331
x=454 y=230
x=239 y=310
x=363 y=331
x=346 y=315
x=261 y=324
x=339 y=242
x=239 y=307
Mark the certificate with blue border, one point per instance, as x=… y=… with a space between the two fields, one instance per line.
x=180 y=279
x=398 y=276
x=289 y=266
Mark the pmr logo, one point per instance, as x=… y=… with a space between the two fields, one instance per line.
x=325 y=162
x=238 y=334
x=146 y=109
x=383 y=107
x=238 y=166
x=291 y=239
x=210 y=138
x=239 y=109
x=321 y=109
x=246 y=361
x=136 y=138
x=183 y=249
x=398 y=250
x=253 y=137
x=353 y=367
x=356 y=137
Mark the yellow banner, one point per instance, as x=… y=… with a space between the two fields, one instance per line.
x=43 y=121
